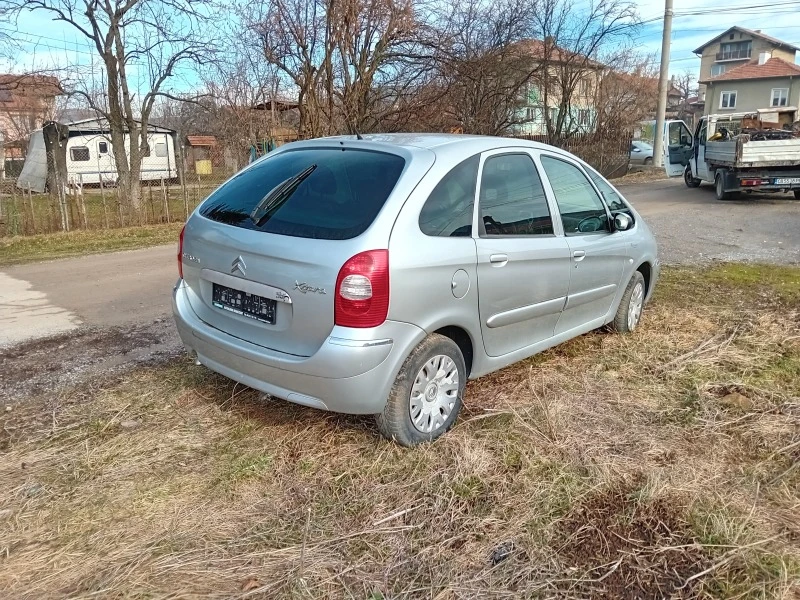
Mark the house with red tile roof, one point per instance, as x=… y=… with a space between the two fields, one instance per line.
x=768 y=85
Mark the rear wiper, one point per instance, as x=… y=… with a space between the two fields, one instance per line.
x=278 y=195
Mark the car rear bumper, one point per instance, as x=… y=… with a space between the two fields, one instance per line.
x=352 y=372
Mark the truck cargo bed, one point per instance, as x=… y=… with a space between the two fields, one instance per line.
x=744 y=152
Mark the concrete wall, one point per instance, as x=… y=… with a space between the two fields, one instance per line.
x=751 y=94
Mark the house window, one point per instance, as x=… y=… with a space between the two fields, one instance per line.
x=161 y=150
x=553 y=115
x=718 y=69
x=79 y=153
x=727 y=100
x=584 y=87
x=583 y=117
x=102 y=147
x=780 y=97
x=533 y=113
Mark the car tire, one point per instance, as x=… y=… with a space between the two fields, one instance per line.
x=648 y=162
x=797 y=194
x=629 y=311
x=436 y=375
x=690 y=181
x=719 y=187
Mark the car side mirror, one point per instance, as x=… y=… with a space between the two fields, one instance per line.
x=622 y=222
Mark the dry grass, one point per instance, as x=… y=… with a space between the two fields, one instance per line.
x=31 y=248
x=662 y=464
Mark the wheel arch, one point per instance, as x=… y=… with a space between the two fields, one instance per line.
x=463 y=340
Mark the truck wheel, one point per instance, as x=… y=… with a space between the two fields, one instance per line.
x=688 y=179
x=719 y=187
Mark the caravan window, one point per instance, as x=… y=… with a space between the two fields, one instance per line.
x=161 y=150
x=102 y=147
x=79 y=153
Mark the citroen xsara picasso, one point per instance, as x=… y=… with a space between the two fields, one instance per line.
x=377 y=275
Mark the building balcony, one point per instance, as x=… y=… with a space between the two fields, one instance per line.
x=734 y=55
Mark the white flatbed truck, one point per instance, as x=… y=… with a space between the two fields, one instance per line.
x=739 y=163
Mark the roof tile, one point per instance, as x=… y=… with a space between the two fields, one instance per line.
x=774 y=67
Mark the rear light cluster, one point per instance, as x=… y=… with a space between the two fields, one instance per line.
x=752 y=182
x=362 y=290
x=180 y=253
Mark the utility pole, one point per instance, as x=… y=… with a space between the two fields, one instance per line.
x=663 y=82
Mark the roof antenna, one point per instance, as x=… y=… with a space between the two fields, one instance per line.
x=358 y=135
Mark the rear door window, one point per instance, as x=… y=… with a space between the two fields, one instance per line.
x=512 y=200
x=338 y=200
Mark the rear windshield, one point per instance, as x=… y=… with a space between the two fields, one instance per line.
x=338 y=200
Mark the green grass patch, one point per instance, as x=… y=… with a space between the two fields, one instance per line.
x=33 y=248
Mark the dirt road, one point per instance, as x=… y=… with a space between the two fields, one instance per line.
x=108 y=311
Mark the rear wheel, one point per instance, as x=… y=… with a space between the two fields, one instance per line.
x=426 y=395
x=648 y=162
x=689 y=179
x=719 y=188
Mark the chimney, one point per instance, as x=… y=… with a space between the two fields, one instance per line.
x=764 y=57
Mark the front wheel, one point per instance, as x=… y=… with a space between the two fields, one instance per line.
x=426 y=395
x=629 y=312
x=689 y=179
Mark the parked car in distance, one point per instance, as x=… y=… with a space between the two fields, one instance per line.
x=377 y=275
x=641 y=153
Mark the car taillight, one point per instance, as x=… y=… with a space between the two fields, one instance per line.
x=180 y=253
x=362 y=290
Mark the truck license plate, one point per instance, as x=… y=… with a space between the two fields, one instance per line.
x=787 y=181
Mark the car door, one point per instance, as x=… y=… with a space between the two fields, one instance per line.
x=523 y=258
x=597 y=256
x=677 y=148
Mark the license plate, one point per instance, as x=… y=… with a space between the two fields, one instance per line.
x=248 y=305
x=787 y=181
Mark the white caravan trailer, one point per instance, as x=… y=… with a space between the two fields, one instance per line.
x=90 y=156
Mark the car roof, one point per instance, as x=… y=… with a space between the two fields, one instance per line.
x=440 y=144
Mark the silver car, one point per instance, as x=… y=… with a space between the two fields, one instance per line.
x=376 y=275
x=641 y=153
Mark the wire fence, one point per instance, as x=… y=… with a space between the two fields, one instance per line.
x=173 y=186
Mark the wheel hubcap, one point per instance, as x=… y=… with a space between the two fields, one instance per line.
x=434 y=394
x=635 y=306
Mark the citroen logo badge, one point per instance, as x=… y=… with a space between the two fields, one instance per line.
x=238 y=265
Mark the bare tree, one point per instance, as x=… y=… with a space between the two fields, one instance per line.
x=141 y=45
x=481 y=63
x=568 y=70
x=627 y=94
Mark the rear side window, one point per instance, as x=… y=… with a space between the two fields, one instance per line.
x=338 y=200
x=448 y=210
x=512 y=200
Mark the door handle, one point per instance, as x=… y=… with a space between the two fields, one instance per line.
x=499 y=260
x=578 y=255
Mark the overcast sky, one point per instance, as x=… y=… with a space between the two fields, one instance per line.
x=46 y=43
